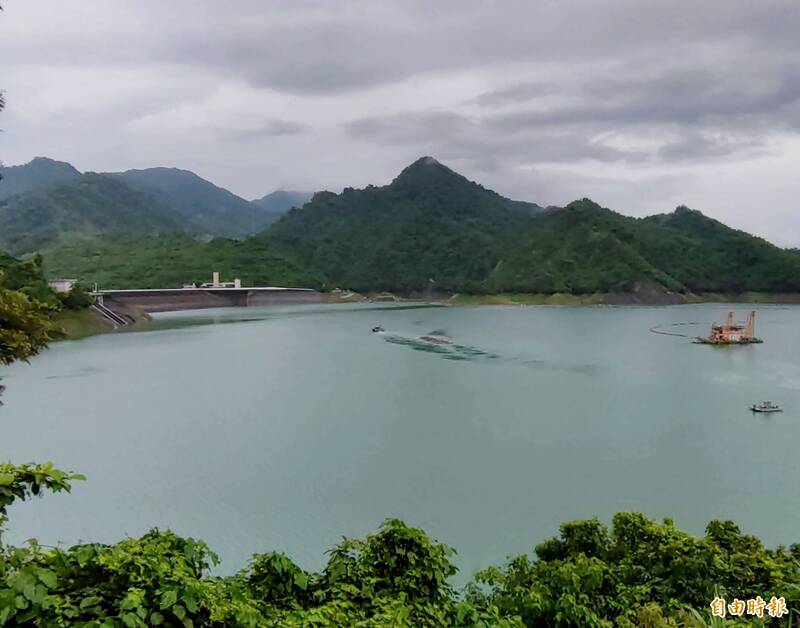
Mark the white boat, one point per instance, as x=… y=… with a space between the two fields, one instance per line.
x=766 y=406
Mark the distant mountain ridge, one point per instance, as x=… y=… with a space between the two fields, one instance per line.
x=38 y=173
x=432 y=230
x=90 y=204
x=277 y=203
x=42 y=201
x=206 y=208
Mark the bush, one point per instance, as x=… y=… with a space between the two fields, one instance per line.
x=78 y=298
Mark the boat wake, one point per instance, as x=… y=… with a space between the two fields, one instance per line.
x=437 y=342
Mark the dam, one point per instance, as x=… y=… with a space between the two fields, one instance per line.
x=123 y=307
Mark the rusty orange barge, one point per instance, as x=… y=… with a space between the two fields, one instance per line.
x=731 y=333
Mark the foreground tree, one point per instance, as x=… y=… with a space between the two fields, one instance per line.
x=641 y=573
x=25 y=325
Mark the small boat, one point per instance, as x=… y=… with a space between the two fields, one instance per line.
x=377 y=329
x=766 y=406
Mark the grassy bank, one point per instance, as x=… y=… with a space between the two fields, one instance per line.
x=601 y=298
x=745 y=297
x=82 y=323
x=526 y=299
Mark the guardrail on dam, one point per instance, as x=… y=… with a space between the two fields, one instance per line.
x=126 y=303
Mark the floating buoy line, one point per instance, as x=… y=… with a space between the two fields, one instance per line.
x=657 y=329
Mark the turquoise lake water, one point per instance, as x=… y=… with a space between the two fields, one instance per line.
x=289 y=427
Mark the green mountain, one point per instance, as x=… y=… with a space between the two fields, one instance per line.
x=584 y=248
x=87 y=204
x=44 y=199
x=39 y=173
x=705 y=255
x=579 y=249
x=206 y=209
x=279 y=202
x=431 y=228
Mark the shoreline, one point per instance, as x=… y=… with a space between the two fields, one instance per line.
x=79 y=324
x=625 y=298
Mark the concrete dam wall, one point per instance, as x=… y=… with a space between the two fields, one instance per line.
x=126 y=303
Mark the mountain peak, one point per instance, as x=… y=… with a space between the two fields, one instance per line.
x=686 y=211
x=38 y=173
x=426 y=171
x=46 y=163
x=426 y=163
x=427 y=160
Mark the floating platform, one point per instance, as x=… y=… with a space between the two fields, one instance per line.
x=731 y=333
x=701 y=340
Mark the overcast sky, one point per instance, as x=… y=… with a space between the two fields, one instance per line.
x=640 y=106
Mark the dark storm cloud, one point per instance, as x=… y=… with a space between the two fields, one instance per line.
x=613 y=93
x=317 y=48
x=459 y=137
x=694 y=146
x=677 y=96
x=699 y=114
x=314 y=47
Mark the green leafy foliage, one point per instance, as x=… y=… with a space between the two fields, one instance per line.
x=78 y=298
x=25 y=325
x=26 y=277
x=20 y=482
x=275 y=580
x=638 y=573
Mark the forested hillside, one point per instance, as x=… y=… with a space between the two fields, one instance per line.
x=277 y=203
x=37 y=174
x=45 y=200
x=584 y=248
x=87 y=204
x=171 y=260
x=429 y=230
x=26 y=277
x=204 y=207
x=705 y=255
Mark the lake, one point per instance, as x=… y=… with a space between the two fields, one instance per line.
x=289 y=427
